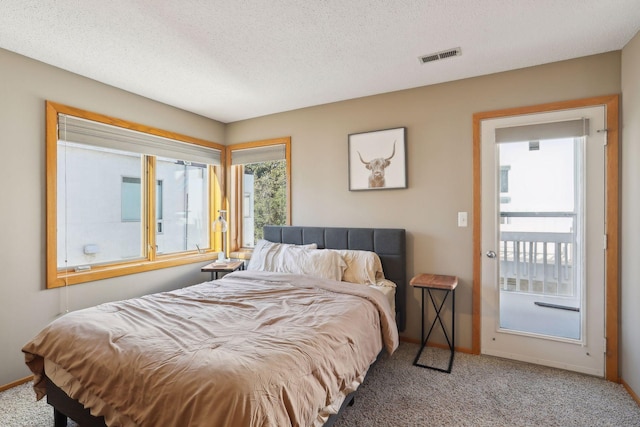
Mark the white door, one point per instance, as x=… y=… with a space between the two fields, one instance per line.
x=543 y=275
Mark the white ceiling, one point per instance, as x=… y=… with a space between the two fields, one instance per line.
x=237 y=59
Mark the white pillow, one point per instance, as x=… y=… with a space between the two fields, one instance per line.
x=363 y=267
x=297 y=259
x=266 y=253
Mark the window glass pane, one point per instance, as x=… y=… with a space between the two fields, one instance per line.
x=91 y=222
x=525 y=180
x=265 y=190
x=183 y=206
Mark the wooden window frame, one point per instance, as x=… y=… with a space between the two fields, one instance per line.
x=56 y=278
x=236 y=194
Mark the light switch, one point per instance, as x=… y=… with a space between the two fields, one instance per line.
x=462 y=219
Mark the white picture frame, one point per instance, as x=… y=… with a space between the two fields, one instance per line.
x=377 y=160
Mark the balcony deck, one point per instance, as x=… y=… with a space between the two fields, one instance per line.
x=538 y=275
x=519 y=312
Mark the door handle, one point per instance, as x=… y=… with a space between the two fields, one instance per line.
x=491 y=254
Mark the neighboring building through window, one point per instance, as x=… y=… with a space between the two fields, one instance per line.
x=108 y=182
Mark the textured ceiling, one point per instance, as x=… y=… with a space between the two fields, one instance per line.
x=236 y=59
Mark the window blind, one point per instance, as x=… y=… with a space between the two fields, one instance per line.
x=258 y=154
x=540 y=131
x=83 y=131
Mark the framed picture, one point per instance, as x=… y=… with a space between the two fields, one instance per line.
x=378 y=160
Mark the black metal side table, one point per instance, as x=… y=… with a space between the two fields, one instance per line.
x=431 y=282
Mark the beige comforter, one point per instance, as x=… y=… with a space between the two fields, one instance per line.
x=251 y=349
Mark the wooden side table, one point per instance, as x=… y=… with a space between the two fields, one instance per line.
x=431 y=282
x=216 y=268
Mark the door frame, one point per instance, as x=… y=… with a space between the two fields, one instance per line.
x=612 y=220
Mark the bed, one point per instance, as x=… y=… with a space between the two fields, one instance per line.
x=253 y=348
x=388 y=243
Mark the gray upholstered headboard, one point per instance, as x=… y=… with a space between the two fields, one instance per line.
x=388 y=243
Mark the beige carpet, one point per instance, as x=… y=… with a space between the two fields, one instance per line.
x=485 y=391
x=18 y=408
x=481 y=391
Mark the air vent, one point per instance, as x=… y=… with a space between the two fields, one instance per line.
x=440 y=55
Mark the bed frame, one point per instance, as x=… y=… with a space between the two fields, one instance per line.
x=388 y=243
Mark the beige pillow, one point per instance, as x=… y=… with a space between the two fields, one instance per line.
x=319 y=263
x=363 y=267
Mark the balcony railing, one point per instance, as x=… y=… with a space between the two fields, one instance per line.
x=538 y=262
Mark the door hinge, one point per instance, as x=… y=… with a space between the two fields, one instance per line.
x=605 y=242
x=604 y=350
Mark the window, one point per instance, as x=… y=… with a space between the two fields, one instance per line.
x=124 y=198
x=504 y=189
x=260 y=189
x=504 y=178
x=131 y=199
x=159 y=208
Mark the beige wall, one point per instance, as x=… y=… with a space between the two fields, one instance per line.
x=630 y=241
x=438 y=120
x=25 y=306
x=439 y=146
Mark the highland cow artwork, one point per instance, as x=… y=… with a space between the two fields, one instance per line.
x=377 y=160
